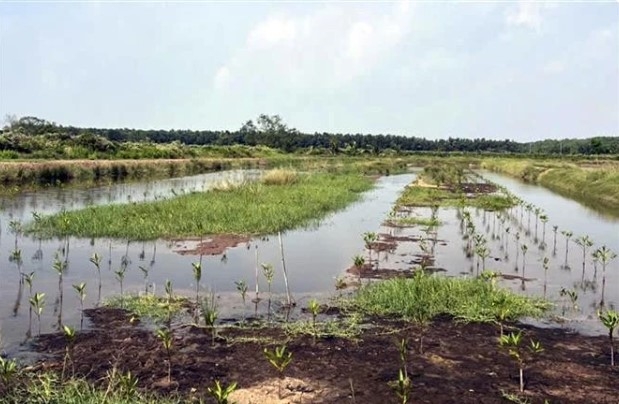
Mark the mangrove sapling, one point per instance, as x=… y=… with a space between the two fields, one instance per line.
x=545 y=263
x=210 y=315
x=257 y=299
x=280 y=358
x=555 y=228
x=483 y=253
x=15 y=227
x=369 y=238
x=120 y=277
x=268 y=272
x=358 y=261
x=169 y=295
x=507 y=229
x=37 y=302
x=28 y=279
x=512 y=342
x=80 y=289
x=166 y=337
x=517 y=238
x=610 y=319
x=314 y=309
x=402 y=387
x=69 y=335
x=538 y=212
x=605 y=255
x=197 y=276
x=241 y=287
x=221 y=393
x=145 y=273
x=584 y=242
x=568 y=235
x=572 y=295
x=524 y=249
x=96 y=261
x=281 y=249
x=544 y=219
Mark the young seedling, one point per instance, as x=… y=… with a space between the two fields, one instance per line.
x=37 y=302
x=127 y=385
x=605 y=256
x=29 y=278
x=210 y=314
x=572 y=295
x=60 y=266
x=221 y=393
x=197 y=276
x=166 y=337
x=483 y=253
x=145 y=273
x=279 y=357
x=544 y=219
x=524 y=249
x=545 y=264
x=69 y=335
x=369 y=238
x=120 y=277
x=314 y=309
x=268 y=272
x=241 y=286
x=555 y=228
x=402 y=387
x=290 y=301
x=358 y=261
x=169 y=295
x=80 y=289
x=512 y=342
x=610 y=319
x=584 y=242
x=568 y=235
x=96 y=261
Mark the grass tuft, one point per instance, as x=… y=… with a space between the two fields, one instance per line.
x=463 y=298
x=280 y=176
x=150 y=307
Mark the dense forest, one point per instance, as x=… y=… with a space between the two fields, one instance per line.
x=31 y=135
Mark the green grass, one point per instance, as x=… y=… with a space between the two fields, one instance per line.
x=414 y=221
x=427 y=197
x=149 y=306
x=594 y=184
x=47 y=387
x=252 y=208
x=463 y=298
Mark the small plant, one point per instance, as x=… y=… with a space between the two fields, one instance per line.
x=402 y=387
x=268 y=272
x=69 y=335
x=127 y=385
x=512 y=342
x=145 y=273
x=572 y=296
x=169 y=297
x=166 y=337
x=584 y=242
x=568 y=235
x=279 y=357
x=120 y=277
x=197 y=276
x=314 y=309
x=358 y=261
x=210 y=315
x=369 y=238
x=221 y=393
x=610 y=319
x=37 y=302
x=80 y=289
x=241 y=287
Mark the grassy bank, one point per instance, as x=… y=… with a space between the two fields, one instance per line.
x=427 y=296
x=52 y=173
x=249 y=208
x=591 y=183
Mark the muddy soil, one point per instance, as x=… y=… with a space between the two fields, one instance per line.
x=460 y=363
x=211 y=245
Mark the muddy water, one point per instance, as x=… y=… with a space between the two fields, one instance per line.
x=314 y=256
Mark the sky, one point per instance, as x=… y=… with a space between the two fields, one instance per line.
x=520 y=70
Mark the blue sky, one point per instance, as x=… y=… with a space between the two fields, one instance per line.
x=519 y=70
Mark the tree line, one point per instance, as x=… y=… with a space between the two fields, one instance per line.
x=272 y=132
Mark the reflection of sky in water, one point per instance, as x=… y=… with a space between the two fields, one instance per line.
x=314 y=256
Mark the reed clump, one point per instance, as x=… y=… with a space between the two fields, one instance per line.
x=280 y=176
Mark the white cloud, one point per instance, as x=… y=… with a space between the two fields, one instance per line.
x=553 y=67
x=329 y=47
x=526 y=14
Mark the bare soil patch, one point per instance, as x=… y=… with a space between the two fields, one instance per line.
x=211 y=245
x=461 y=363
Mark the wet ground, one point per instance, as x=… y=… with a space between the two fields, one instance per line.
x=460 y=363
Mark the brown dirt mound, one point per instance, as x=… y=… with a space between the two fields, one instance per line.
x=212 y=245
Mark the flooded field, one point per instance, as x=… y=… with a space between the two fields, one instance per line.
x=315 y=257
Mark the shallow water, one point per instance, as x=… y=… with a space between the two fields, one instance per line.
x=314 y=256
